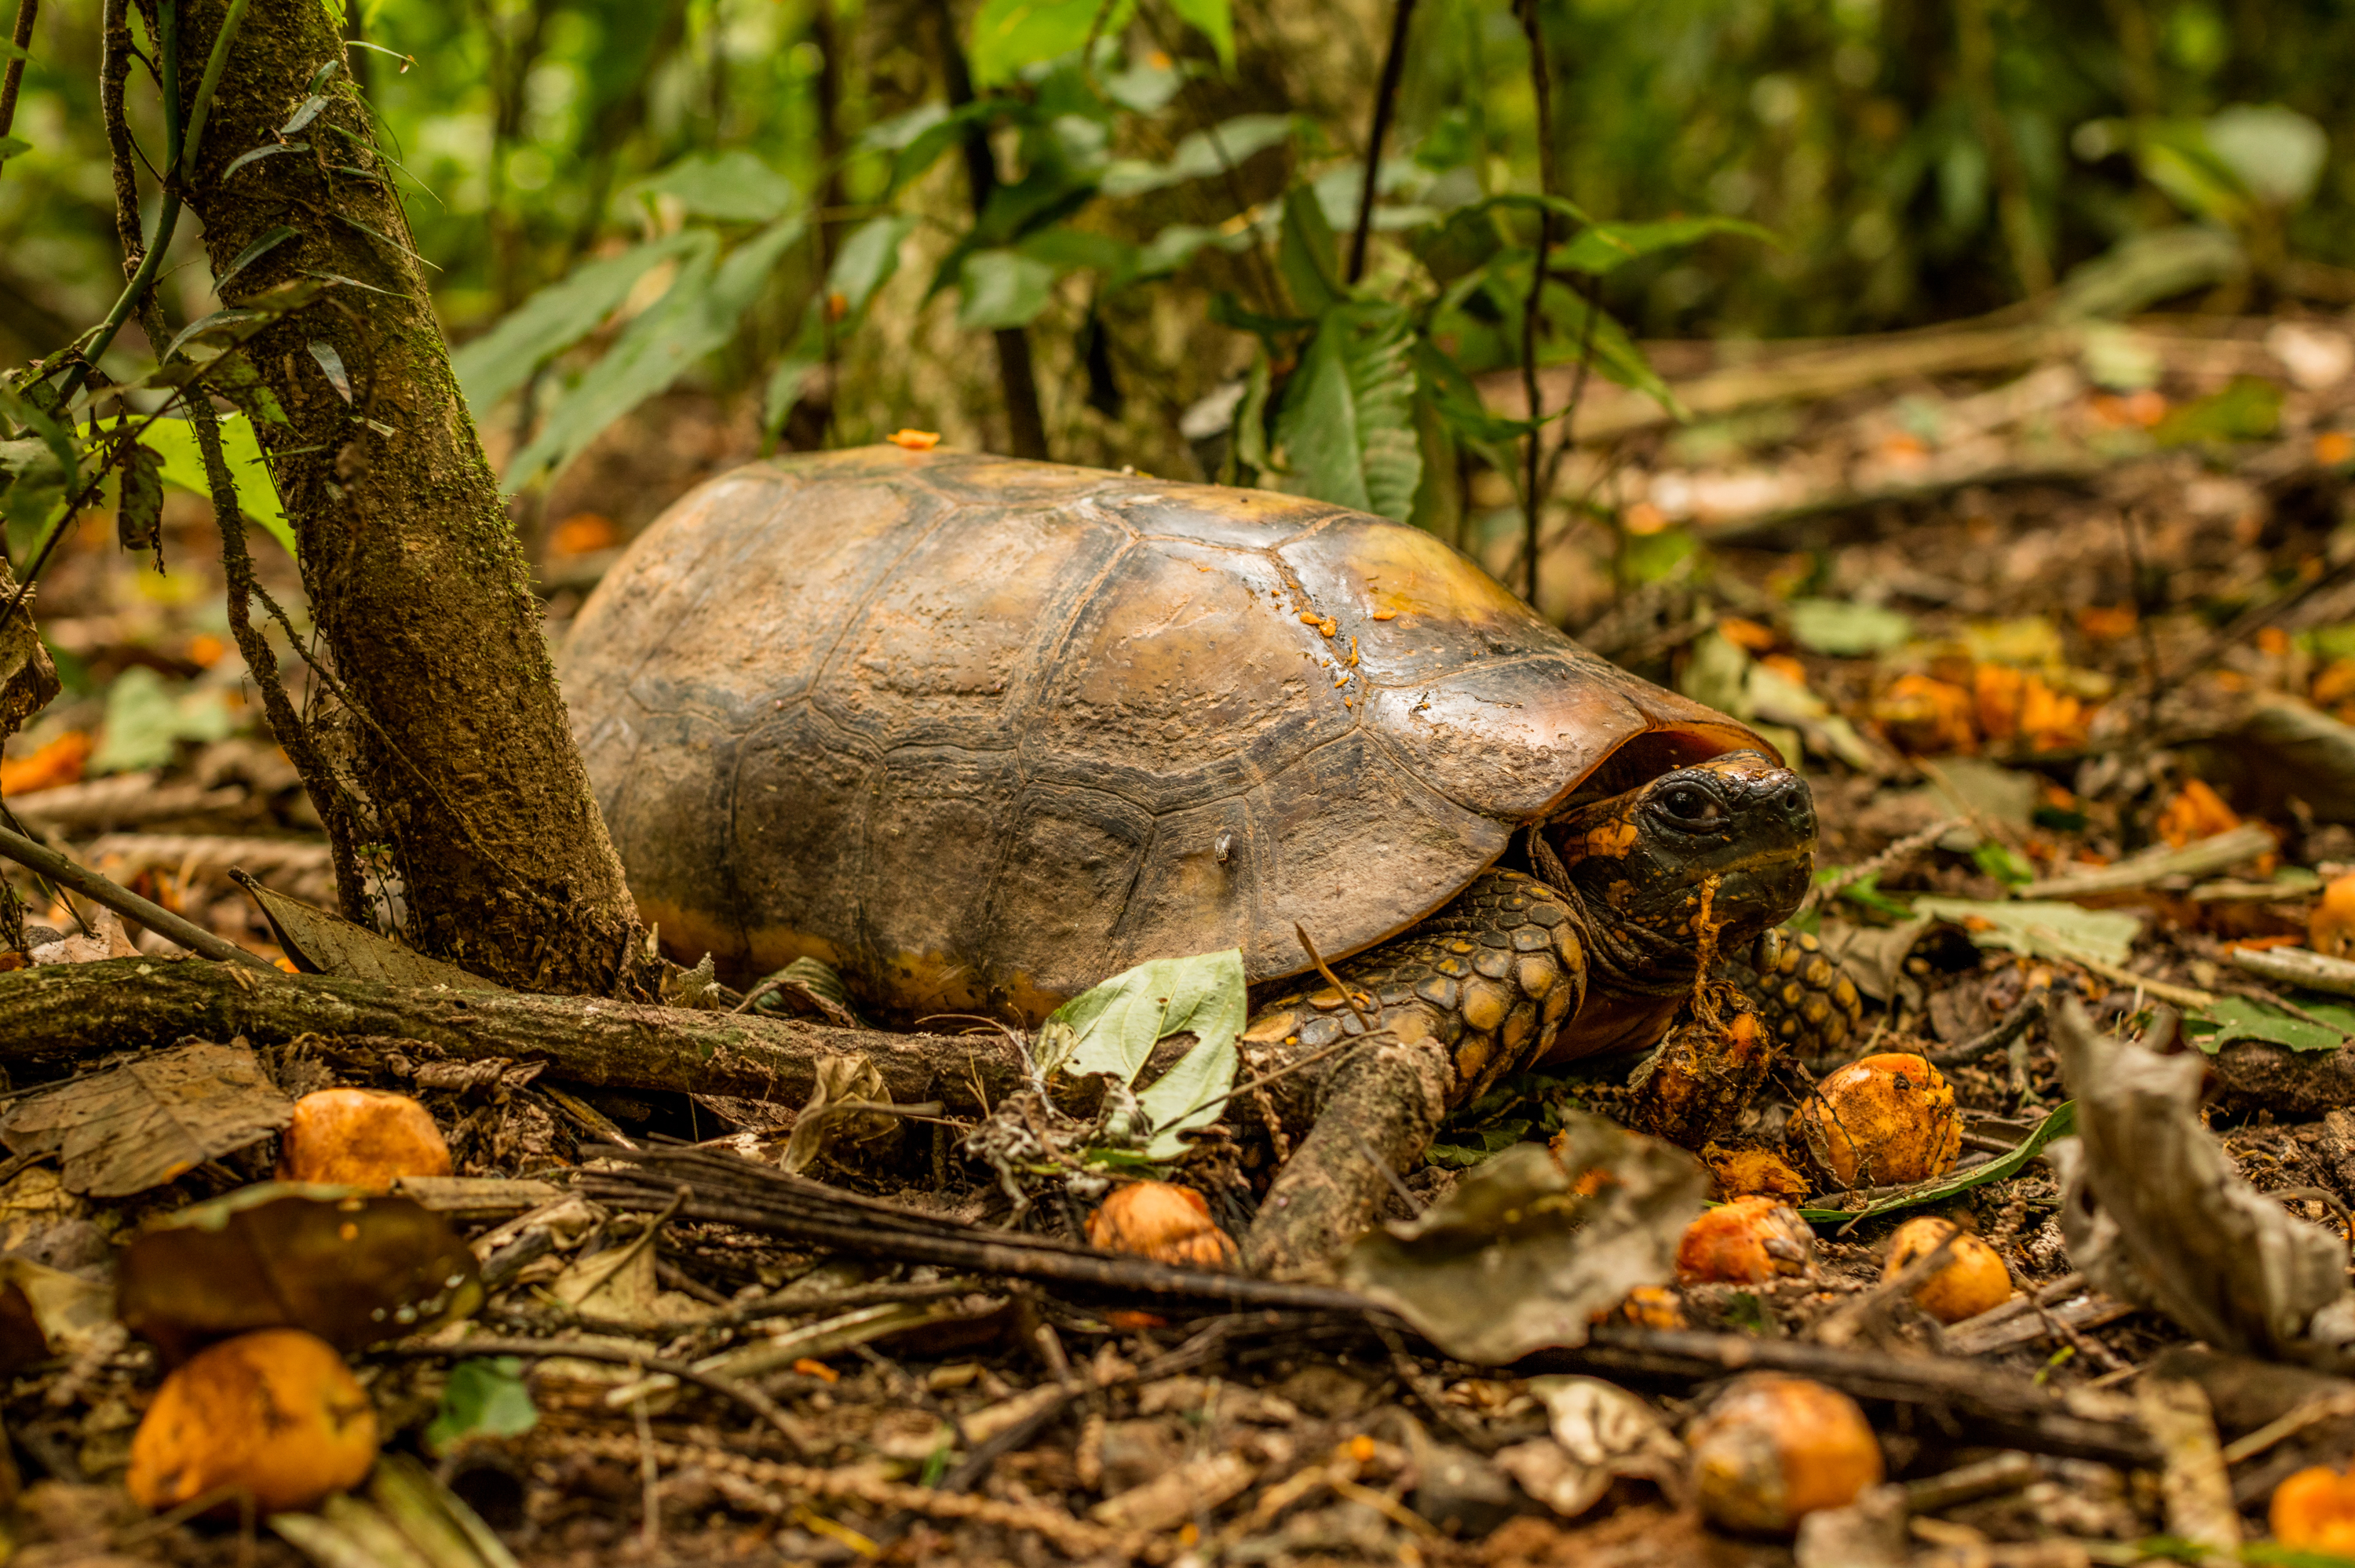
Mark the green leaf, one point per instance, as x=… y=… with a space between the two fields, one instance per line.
x=269 y=239
x=2249 y=409
x=12 y=145
x=2060 y=1123
x=1200 y=154
x=1347 y=422
x=1171 y=250
x=139 y=506
x=1010 y=34
x=1615 y=354
x=2044 y=928
x=1306 y=256
x=1601 y=248
x=867 y=260
x=559 y=316
x=699 y=314
x=486 y=1398
x=1215 y=20
x=917 y=139
x=1003 y=289
x=257 y=493
x=1192 y=1093
x=52 y=432
x=1847 y=630
x=2240 y=1018
x=1112 y=1028
x=733 y=187
x=1247 y=450
x=146 y=721
x=1464 y=1149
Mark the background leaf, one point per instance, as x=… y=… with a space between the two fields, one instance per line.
x=556 y=318
x=1347 y=422
x=733 y=187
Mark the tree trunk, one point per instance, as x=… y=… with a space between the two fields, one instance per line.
x=414 y=575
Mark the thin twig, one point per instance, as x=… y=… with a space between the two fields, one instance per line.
x=125 y=903
x=26 y=10
x=2014 y=1024
x=1364 y=1018
x=1534 y=308
x=1385 y=101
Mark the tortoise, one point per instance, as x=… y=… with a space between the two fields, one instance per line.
x=980 y=733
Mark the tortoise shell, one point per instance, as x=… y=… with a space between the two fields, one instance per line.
x=981 y=732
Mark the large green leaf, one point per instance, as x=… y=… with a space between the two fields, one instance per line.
x=698 y=315
x=1010 y=34
x=867 y=259
x=557 y=317
x=1003 y=289
x=257 y=494
x=1603 y=247
x=735 y=186
x=1112 y=1028
x=2238 y=1018
x=1346 y=426
x=1308 y=257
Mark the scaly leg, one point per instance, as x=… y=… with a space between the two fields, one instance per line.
x=1491 y=978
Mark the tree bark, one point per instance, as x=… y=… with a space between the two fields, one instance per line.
x=413 y=571
x=61 y=1013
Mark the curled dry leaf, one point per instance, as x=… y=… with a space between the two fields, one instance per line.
x=1600 y=1433
x=321 y=942
x=2154 y=1212
x=47 y=1312
x=350 y=1269
x=837 y=1115
x=1532 y=1247
x=150 y=1120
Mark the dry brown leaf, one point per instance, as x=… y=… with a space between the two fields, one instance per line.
x=1529 y=1249
x=323 y=943
x=150 y=1120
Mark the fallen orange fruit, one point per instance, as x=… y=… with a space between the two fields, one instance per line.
x=915 y=440
x=1773 y=1449
x=1886 y=1119
x=1162 y=1221
x=2314 y=1510
x=1971 y=1281
x=274 y=1416
x=367 y=1138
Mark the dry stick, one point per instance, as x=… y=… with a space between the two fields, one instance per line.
x=2014 y=1024
x=1026 y=425
x=23 y=38
x=1385 y=101
x=124 y=902
x=1542 y=86
x=262 y=664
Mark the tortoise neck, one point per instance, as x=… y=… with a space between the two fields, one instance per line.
x=1628 y=959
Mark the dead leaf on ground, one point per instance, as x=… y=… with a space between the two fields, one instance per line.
x=105 y=939
x=47 y=1312
x=1600 y=1433
x=321 y=942
x=2156 y=1214
x=1529 y=1249
x=351 y=1269
x=150 y=1120
x=837 y=1113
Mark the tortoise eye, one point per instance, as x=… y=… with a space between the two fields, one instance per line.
x=1688 y=804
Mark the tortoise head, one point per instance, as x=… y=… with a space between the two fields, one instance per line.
x=1726 y=844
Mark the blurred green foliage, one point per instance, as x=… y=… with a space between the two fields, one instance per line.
x=775 y=197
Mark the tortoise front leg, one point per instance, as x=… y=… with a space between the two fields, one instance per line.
x=1491 y=979
x=1478 y=990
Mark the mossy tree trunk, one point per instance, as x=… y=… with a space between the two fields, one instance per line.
x=416 y=581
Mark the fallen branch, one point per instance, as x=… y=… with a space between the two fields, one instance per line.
x=74 y=1010
x=125 y=903
x=2298 y=967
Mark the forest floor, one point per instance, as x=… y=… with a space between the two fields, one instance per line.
x=2068 y=652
